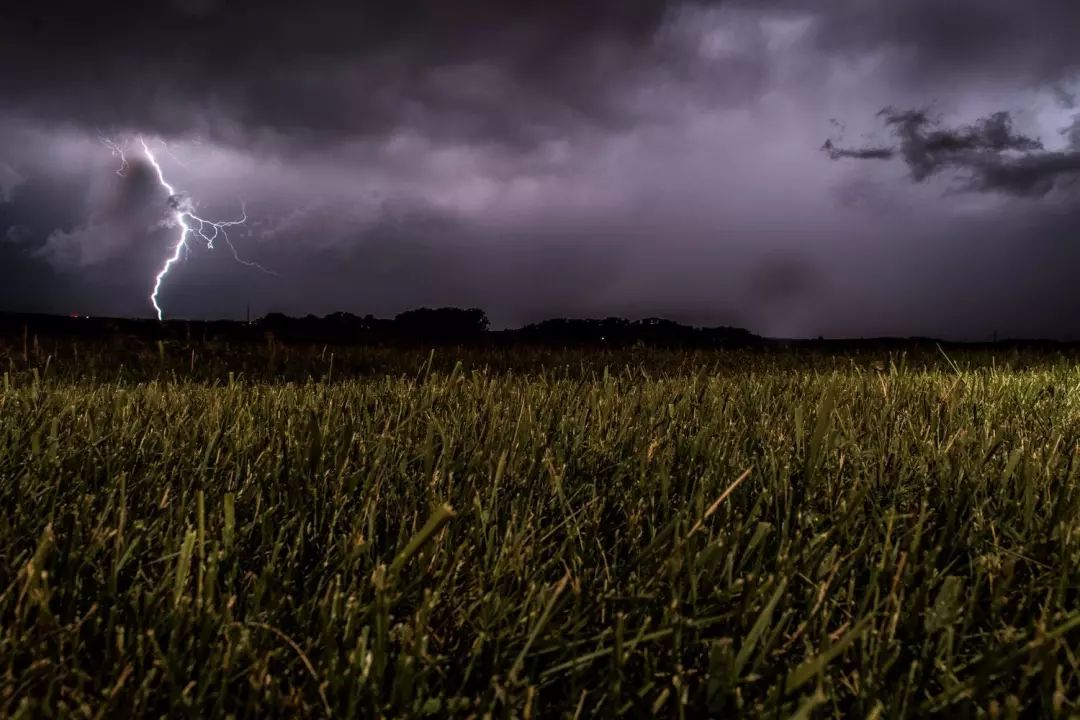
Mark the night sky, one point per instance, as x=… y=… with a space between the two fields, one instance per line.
x=829 y=167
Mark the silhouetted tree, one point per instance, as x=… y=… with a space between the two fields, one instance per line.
x=445 y=323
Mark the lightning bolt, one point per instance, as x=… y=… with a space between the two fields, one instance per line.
x=117 y=151
x=183 y=215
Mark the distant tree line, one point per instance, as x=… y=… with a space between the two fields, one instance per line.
x=464 y=326
x=471 y=325
x=446 y=325
x=622 y=332
x=436 y=324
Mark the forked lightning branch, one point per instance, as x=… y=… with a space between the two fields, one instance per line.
x=183 y=217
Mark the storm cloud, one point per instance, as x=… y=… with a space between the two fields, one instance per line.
x=552 y=158
x=989 y=154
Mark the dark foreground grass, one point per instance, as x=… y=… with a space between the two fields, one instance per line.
x=755 y=536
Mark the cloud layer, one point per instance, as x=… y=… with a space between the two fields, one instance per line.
x=989 y=154
x=578 y=158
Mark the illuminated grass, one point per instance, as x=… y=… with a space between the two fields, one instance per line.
x=738 y=533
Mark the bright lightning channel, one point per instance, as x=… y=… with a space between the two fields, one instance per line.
x=183 y=214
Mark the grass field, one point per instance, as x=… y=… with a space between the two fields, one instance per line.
x=279 y=532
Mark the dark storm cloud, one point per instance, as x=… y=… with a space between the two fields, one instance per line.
x=549 y=157
x=1072 y=133
x=989 y=154
x=866 y=153
x=969 y=40
x=127 y=211
x=480 y=68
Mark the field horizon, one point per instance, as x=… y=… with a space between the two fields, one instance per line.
x=450 y=325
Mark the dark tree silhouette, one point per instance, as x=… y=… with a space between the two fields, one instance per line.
x=446 y=323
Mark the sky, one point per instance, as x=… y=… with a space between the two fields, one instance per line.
x=799 y=168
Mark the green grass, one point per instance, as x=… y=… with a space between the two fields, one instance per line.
x=397 y=535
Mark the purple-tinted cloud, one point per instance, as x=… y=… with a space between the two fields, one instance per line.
x=989 y=154
x=566 y=158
